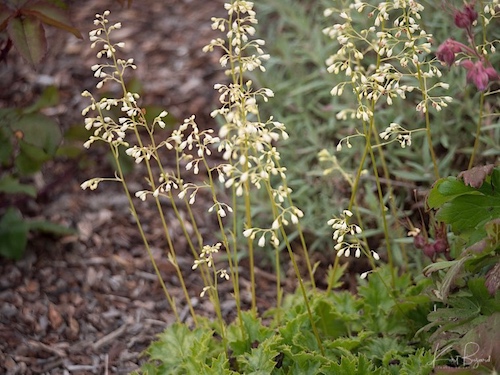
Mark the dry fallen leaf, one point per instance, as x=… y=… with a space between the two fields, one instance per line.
x=475 y=177
x=73 y=329
x=55 y=317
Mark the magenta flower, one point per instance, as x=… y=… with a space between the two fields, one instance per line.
x=479 y=74
x=447 y=50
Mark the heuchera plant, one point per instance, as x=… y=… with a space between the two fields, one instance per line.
x=383 y=329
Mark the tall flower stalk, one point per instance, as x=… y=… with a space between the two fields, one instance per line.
x=385 y=62
x=246 y=143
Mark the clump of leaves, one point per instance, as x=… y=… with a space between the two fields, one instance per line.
x=373 y=332
x=27 y=140
x=467 y=288
x=468 y=202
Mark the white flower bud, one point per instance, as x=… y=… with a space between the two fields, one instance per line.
x=262 y=241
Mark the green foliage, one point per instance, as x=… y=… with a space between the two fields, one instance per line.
x=183 y=351
x=13 y=234
x=468 y=287
x=469 y=204
x=470 y=317
x=27 y=140
x=14 y=230
x=28 y=137
x=368 y=333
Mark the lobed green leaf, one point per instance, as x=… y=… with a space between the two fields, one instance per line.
x=447 y=189
x=180 y=348
x=261 y=360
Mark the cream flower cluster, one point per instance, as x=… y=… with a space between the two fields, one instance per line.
x=402 y=135
x=191 y=146
x=342 y=230
x=104 y=127
x=188 y=145
x=246 y=142
x=207 y=257
x=400 y=46
x=491 y=10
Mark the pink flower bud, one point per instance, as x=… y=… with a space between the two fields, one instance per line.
x=419 y=241
x=465 y=18
x=430 y=251
x=447 y=50
x=440 y=246
x=478 y=74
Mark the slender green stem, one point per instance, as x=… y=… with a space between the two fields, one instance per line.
x=232 y=260
x=332 y=273
x=152 y=183
x=303 y=291
x=214 y=295
x=279 y=291
x=383 y=215
x=357 y=178
x=237 y=79
x=423 y=89
x=133 y=210
x=303 y=243
x=372 y=130
x=248 y=220
x=478 y=131
x=121 y=80
x=237 y=294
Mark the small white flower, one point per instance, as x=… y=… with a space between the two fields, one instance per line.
x=262 y=241
x=275 y=225
x=205 y=289
x=247 y=233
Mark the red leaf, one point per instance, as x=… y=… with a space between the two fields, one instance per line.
x=475 y=177
x=493 y=279
x=51 y=15
x=28 y=36
x=5 y=14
